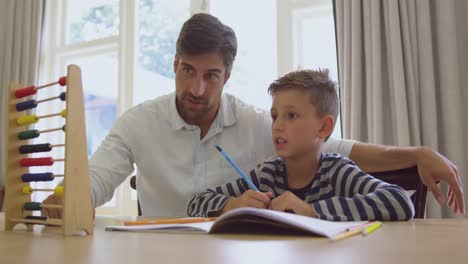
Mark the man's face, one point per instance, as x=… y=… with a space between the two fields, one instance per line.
x=199 y=84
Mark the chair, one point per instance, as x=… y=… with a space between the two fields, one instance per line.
x=2 y=193
x=133 y=185
x=408 y=179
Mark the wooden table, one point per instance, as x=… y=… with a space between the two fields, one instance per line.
x=418 y=241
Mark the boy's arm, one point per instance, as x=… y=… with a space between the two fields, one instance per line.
x=359 y=196
x=432 y=167
x=228 y=196
x=211 y=202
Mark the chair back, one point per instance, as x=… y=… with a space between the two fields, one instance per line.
x=133 y=185
x=408 y=179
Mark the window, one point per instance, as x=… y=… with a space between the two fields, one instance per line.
x=126 y=49
x=158 y=25
x=310 y=25
x=255 y=66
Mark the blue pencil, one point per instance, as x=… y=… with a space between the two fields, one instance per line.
x=234 y=165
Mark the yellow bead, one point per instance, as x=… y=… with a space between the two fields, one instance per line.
x=27 y=190
x=58 y=190
x=26 y=120
x=63 y=113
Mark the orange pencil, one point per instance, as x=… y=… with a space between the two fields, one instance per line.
x=170 y=221
x=347 y=234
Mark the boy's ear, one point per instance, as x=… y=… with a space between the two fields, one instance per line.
x=327 y=124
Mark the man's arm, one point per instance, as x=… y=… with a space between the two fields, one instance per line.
x=432 y=167
x=109 y=166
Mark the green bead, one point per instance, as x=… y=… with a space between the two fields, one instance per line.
x=28 y=134
x=31 y=206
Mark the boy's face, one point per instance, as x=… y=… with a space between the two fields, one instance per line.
x=297 y=128
x=199 y=83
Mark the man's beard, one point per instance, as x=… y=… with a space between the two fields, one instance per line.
x=189 y=114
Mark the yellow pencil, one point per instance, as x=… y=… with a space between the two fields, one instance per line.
x=347 y=234
x=368 y=230
x=170 y=221
x=360 y=227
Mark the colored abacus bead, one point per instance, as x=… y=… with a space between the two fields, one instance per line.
x=26 y=120
x=32 y=206
x=37 y=177
x=35 y=133
x=28 y=134
x=62 y=81
x=57 y=190
x=29 y=104
x=30 y=119
x=25 y=149
x=30 y=90
x=28 y=162
x=27 y=190
x=25 y=91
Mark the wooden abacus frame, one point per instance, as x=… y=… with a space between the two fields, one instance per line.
x=77 y=210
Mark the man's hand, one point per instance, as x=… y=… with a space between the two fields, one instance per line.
x=56 y=212
x=432 y=167
x=53 y=212
x=289 y=201
x=249 y=198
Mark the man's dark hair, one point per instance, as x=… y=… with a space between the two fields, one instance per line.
x=204 y=33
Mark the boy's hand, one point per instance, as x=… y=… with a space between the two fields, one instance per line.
x=289 y=201
x=249 y=198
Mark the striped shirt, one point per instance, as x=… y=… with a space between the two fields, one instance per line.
x=340 y=191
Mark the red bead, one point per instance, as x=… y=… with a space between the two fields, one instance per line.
x=25 y=91
x=28 y=162
x=63 y=81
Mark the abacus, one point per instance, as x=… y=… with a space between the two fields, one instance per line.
x=77 y=210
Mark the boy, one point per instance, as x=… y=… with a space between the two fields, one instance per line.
x=302 y=179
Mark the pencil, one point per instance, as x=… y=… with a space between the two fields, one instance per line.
x=363 y=226
x=170 y=221
x=369 y=229
x=234 y=165
x=347 y=234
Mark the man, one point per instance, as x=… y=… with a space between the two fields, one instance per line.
x=172 y=139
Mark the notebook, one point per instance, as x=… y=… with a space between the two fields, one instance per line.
x=253 y=221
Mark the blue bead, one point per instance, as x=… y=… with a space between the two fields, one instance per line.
x=30 y=104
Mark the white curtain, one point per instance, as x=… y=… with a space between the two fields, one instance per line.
x=20 y=30
x=403 y=68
